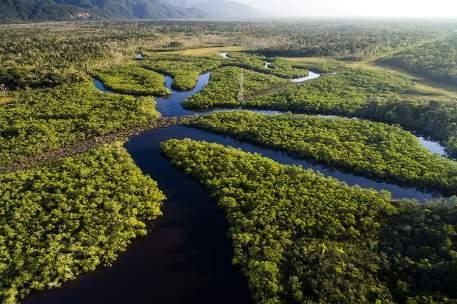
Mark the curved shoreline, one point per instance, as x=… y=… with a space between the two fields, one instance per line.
x=186 y=247
x=171 y=106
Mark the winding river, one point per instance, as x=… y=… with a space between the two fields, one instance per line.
x=185 y=257
x=310 y=76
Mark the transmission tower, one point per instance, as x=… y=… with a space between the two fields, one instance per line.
x=241 y=92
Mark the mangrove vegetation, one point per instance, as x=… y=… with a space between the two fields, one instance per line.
x=133 y=80
x=436 y=60
x=230 y=86
x=66 y=218
x=70 y=202
x=37 y=121
x=300 y=237
x=376 y=150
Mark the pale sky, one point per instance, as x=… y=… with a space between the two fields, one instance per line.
x=357 y=8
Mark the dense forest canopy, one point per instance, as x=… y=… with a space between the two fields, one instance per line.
x=349 y=91
x=64 y=219
x=44 y=120
x=46 y=53
x=342 y=88
x=373 y=149
x=133 y=80
x=302 y=238
x=298 y=236
x=437 y=59
x=184 y=69
x=276 y=66
x=350 y=40
x=230 y=86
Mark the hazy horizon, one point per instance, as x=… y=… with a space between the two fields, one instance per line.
x=357 y=8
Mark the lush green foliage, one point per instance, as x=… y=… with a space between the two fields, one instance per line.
x=134 y=80
x=347 y=90
x=420 y=252
x=349 y=40
x=297 y=235
x=41 y=56
x=284 y=219
x=319 y=65
x=437 y=59
x=16 y=77
x=377 y=95
x=43 y=120
x=368 y=148
x=229 y=86
x=288 y=69
x=437 y=118
x=278 y=67
x=302 y=238
x=69 y=217
x=184 y=69
x=48 y=53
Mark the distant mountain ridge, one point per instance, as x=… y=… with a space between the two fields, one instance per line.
x=221 y=9
x=58 y=10
x=63 y=10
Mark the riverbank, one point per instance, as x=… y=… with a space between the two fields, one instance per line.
x=188 y=247
x=85 y=145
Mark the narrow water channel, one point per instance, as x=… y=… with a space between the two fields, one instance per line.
x=312 y=75
x=433 y=146
x=171 y=106
x=100 y=86
x=185 y=257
